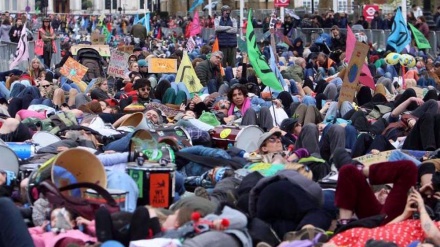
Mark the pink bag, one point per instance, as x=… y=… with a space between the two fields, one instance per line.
x=39 y=47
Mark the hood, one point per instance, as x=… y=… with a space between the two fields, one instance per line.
x=6 y=27
x=297 y=40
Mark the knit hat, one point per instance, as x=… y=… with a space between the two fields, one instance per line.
x=142 y=63
x=288 y=124
x=302 y=153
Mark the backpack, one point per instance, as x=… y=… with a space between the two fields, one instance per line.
x=93 y=61
x=53 y=124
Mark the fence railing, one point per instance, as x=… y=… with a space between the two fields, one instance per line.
x=308 y=35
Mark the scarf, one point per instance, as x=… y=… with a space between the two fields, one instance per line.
x=246 y=105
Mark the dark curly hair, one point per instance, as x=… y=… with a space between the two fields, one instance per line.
x=240 y=87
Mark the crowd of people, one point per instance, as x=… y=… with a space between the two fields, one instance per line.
x=284 y=192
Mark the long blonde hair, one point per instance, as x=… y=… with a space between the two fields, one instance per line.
x=99 y=81
x=31 y=69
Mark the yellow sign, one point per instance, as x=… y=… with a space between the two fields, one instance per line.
x=351 y=78
x=73 y=70
x=104 y=50
x=162 y=65
x=225 y=133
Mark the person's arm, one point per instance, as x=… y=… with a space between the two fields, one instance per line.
x=402 y=107
x=429 y=227
x=219 y=28
x=233 y=29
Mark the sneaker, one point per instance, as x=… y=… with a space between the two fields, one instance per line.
x=104 y=225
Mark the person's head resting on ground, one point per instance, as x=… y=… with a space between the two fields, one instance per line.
x=291 y=125
x=143 y=88
x=216 y=58
x=270 y=142
x=154 y=116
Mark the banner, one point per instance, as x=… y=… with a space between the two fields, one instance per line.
x=22 y=51
x=118 y=64
x=421 y=41
x=73 y=70
x=400 y=35
x=162 y=65
x=260 y=66
x=350 y=84
x=195 y=27
x=195 y=4
x=187 y=75
x=97 y=38
x=190 y=44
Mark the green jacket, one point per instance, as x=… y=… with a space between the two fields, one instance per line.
x=294 y=72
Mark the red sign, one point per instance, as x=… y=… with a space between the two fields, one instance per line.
x=369 y=11
x=281 y=3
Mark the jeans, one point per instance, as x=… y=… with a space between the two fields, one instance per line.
x=293 y=88
x=397 y=155
x=42 y=101
x=334 y=112
x=212 y=86
x=67 y=86
x=329 y=204
x=424 y=82
x=389 y=72
x=120 y=145
x=330 y=71
x=181 y=87
x=309 y=100
x=4 y=92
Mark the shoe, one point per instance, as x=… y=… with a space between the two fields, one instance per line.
x=139 y=225
x=202 y=192
x=104 y=225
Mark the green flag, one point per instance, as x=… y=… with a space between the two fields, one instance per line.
x=421 y=41
x=257 y=60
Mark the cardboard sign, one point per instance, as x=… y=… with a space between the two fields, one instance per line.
x=104 y=50
x=162 y=65
x=370 y=159
x=97 y=39
x=351 y=78
x=118 y=64
x=126 y=48
x=73 y=70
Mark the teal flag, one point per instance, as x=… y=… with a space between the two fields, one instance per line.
x=257 y=60
x=400 y=35
x=421 y=41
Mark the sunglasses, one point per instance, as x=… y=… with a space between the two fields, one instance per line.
x=143 y=89
x=46 y=86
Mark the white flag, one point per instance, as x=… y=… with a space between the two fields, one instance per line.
x=190 y=44
x=22 y=52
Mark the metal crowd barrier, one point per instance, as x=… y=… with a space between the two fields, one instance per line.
x=8 y=48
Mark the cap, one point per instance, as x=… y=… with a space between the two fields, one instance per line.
x=142 y=63
x=266 y=136
x=288 y=124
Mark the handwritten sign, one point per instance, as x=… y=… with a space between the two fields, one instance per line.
x=97 y=39
x=351 y=78
x=103 y=50
x=73 y=70
x=118 y=64
x=162 y=65
x=370 y=159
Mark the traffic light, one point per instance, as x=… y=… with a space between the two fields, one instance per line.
x=108 y=4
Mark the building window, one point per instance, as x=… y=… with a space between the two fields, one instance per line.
x=308 y=4
x=7 y=7
x=14 y=5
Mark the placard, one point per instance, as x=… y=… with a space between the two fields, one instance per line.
x=97 y=39
x=103 y=50
x=162 y=65
x=370 y=159
x=73 y=70
x=351 y=78
x=126 y=48
x=118 y=64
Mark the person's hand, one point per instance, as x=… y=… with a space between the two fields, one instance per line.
x=182 y=107
x=61 y=149
x=2 y=178
x=229 y=119
x=277 y=129
x=427 y=189
x=277 y=103
x=196 y=99
x=409 y=208
x=208 y=100
x=418 y=101
x=326 y=105
x=81 y=221
x=415 y=197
